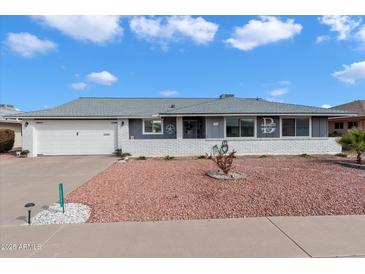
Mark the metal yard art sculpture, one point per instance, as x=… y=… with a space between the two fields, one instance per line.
x=222 y=157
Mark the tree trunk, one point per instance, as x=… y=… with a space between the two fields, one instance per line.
x=358 y=159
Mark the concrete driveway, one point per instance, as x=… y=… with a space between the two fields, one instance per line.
x=36 y=180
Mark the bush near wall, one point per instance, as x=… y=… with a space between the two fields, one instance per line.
x=7 y=137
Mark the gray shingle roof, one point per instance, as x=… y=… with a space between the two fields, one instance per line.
x=234 y=105
x=114 y=107
x=145 y=107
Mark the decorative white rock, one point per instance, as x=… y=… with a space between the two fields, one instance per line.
x=122 y=161
x=232 y=175
x=74 y=214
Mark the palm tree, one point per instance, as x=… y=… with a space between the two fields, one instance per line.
x=354 y=139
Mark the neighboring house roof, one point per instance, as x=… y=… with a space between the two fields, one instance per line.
x=5 y=110
x=357 y=106
x=146 y=107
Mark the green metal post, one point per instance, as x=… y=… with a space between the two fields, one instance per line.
x=60 y=191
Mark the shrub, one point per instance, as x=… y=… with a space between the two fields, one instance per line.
x=344 y=155
x=304 y=155
x=263 y=156
x=118 y=152
x=202 y=157
x=7 y=137
x=24 y=152
x=168 y=157
x=334 y=134
x=354 y=139
x=141 y=158
x=125 y=154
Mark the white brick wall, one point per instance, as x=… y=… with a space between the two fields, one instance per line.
x=193 y=147
x=181 y=147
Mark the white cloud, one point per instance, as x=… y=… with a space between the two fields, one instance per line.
x=169 y=93
x=326 y=106
x=269 y=29
x=351 y=73
x=27 y=44
x=278 y=92
x=78 y=86
x=284 y=82
x=341 y=24
x=166 y=29
x=322 y=38
x=360 y=35
x=198 y=29
x=96 y=29
x=346 y=28
x=104 y=78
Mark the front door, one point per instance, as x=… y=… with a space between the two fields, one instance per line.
x=190 y=129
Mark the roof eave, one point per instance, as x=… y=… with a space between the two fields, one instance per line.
x=358 y=117
x=10 y=121
x=82 y=117
x=184 y=114
x=259 y=114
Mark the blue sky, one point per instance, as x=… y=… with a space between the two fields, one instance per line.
x=311 y=60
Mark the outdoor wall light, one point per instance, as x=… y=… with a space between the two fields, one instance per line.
x=26 y=124
x=122 y=123
x=29 y=207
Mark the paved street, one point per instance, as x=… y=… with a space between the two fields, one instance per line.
x=36 y=180
x=320 y=236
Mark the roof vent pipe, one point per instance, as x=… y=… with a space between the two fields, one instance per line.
x=226 y=95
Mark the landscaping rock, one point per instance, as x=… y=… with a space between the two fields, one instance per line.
x=351 y=164
x=156 y=189
x=122 y=161
x=75 y=213
x=232 y=175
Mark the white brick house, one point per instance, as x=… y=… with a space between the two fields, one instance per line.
x=177 y=127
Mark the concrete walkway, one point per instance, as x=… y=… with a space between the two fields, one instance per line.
x=36 y=180
x=324 y=236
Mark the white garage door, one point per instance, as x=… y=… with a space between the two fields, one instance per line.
x=76 y=137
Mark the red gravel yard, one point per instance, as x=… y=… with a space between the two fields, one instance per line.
x=157 y=189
